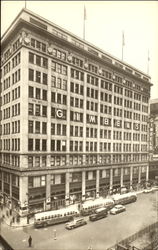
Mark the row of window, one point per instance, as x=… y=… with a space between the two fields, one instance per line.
x=92 y=80
x=38 y=45
x=59 y=129
x=37 y=161
x=13 y=144
x=7 y=68
x=118 y=90
x=6 y=83
x=59 y=54
x=56 y=179
x=16 y=109
x=75 y=146
x=76 y=102
x=105 y=109
x=38 y=76
x=76 y=88
x=16 y=93
x=41 y=161
x=16 y=60
x=16 y=76
x=10 y=159
x=117 y=147
x=40 y=94
x=59 y=68
x=58 y=98
x=106 y=85
x=37 y=110
x=37 y=144
x=91 y=132
x=59 y=83
x=92 y=93
x=76 y=74
x=38 y=60
x=37 y=127
x=6 y=98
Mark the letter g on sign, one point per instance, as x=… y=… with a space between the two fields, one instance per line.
x=59 y=113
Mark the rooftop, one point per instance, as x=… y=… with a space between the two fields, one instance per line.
x=38 y=22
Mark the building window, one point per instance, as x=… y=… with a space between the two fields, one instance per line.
x=44 y=145
x=31 y=109
x=31 y=92
x=38 y=93
x=30 y=162
x=31 y=57
x=37 y=110
x=30 y=129
x=44 y=95
x=44 y=111
x=30 y=144
x=44 y=78
x=37 y=144
x=37 y=161
x=31 y=75
x=38 y=76
x=44 y=128
x=37 y=127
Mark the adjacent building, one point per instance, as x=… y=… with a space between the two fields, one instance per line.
x=74 y=119
x=153 y=141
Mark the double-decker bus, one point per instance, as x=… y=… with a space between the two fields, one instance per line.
x=54 y=217
x=90 y=206
x=123 y=199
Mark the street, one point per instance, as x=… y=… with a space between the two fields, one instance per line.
x=99 y=235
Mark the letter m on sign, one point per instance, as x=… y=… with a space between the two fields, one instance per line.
x=92 y=119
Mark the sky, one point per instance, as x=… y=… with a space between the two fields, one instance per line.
x=105 y=22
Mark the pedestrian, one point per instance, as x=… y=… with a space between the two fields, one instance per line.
x=30 y=241
x=13 y=219
x=10 y=212
x=11 y=222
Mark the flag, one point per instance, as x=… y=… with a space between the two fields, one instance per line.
x=148 y=56
x=85 y=14
x=123 y=39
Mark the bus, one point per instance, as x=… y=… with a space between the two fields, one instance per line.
x=123 y=199
x=90 y=206
x=54 y=217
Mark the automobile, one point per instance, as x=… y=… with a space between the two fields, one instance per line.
x=75 y=223
x=148 y=190
x=98 y=214
x=117 y=209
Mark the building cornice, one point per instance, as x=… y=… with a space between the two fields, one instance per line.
x=24 y=18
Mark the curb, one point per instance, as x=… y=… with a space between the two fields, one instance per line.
x=16 y=226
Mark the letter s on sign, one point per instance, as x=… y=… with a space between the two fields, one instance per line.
x=59 y=113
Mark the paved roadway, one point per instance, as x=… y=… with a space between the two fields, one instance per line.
x=100 y=234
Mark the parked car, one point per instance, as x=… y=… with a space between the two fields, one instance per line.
x=99 y=214
x=117 y=209
x=148 y=190
x=75 y=223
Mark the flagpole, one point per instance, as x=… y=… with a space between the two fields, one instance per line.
x=84 y=23
x=148 y=63
x=25 y=4
x=123 y=43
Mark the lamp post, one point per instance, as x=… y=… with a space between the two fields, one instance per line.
x=28 y=207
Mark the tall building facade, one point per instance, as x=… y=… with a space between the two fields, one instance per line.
x=74 y=119
x=153 y=141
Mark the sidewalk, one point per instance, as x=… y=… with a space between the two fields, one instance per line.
x=13 y=220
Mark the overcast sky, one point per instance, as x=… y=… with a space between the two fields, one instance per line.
x=104 y=25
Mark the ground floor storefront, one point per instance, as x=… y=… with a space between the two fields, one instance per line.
x=35 y=191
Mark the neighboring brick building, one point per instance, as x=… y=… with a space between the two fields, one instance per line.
x=74 y=119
